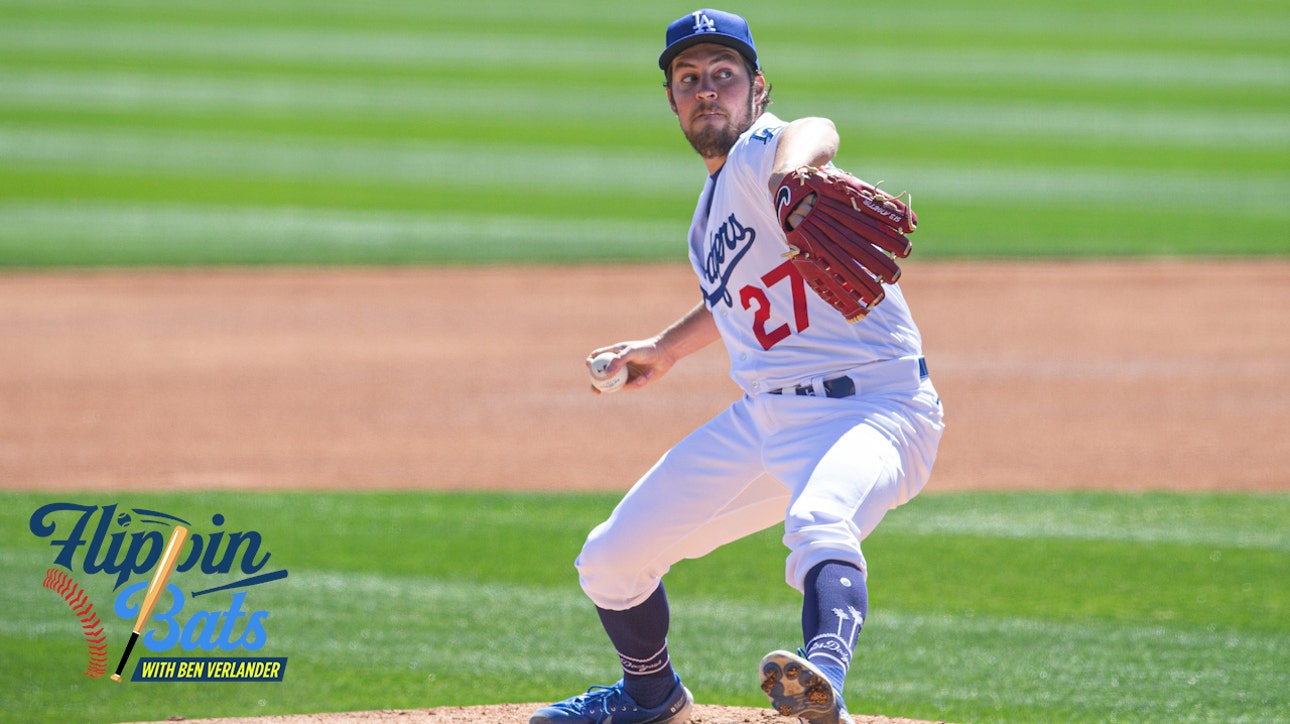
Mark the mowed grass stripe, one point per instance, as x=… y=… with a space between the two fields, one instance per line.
x=190 y=155
x=1045 y=48
x=650 y=235
x=144 y=94
x=1246 y=28
x=1107 y=69
x=488 y=45
x=139 y=96
x=960 y=199
x=1057 y=659
x=415 y=630
x=413 y=634
x=1196 y=520
x=566 y=16
x=178 y=233
x=1249 y=26
x=196 y=156
x=1072 y=125
x=971 y=667
x=399 y=605
x=1039 y=113
x=520 y=49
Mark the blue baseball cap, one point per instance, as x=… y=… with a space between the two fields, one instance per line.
x=708 y=26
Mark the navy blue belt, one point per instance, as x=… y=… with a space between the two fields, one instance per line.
x=839 y=386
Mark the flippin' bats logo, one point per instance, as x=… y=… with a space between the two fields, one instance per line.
x=137 y=550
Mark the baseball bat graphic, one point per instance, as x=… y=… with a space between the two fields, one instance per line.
x=159 y=577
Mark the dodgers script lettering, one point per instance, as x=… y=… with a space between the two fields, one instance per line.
x=729 y=244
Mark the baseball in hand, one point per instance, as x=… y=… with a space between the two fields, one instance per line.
x=602 y=382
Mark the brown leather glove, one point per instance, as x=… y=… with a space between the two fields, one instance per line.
x=844 y=236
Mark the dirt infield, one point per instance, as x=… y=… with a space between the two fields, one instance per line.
x=1125 y=376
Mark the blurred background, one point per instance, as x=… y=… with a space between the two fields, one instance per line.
x=401 y=131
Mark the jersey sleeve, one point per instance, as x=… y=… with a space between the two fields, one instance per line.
x=754 y=157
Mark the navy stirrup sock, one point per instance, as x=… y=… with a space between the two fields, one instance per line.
x=834 y=609
x=639 y=635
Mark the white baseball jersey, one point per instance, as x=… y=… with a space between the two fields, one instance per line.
x=778 y=332
x=828 y=467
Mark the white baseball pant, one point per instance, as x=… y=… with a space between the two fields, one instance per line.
x=829 y=469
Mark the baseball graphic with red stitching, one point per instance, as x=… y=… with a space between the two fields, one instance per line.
x=61 y=583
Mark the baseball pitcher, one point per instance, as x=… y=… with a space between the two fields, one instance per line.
x=839 y=421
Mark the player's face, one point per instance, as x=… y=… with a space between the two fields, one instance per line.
x=713 y=96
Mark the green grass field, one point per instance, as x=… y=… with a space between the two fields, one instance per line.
x=403 y=131
x=985 y=607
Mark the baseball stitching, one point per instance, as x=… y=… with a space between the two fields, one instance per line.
x=61 y=583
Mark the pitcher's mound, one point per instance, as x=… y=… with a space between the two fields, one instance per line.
x=514 y=714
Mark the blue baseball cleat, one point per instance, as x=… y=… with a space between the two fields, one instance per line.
x=797 y=688
x=612 y=705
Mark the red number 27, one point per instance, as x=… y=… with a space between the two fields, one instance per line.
x=751 y=295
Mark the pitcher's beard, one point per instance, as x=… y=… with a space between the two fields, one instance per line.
x=713 y=142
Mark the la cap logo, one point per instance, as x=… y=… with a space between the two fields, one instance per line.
x=703 y=23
